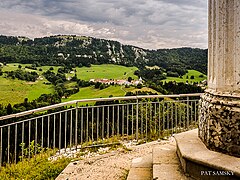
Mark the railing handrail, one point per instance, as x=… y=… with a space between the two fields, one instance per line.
x=93 y=100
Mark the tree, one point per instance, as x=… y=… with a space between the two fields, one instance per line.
x=139 y=85
x=9 y=109
x=130 y=79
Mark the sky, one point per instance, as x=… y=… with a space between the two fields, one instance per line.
x=150 y=24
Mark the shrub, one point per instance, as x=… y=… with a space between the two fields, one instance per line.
x=38 y=167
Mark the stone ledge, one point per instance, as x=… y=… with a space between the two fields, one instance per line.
x=195 y=157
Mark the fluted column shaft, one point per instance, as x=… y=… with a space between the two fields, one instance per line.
x=224 y=45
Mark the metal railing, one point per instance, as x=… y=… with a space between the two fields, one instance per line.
x=71 y=124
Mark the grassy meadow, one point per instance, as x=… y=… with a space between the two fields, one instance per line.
x=106 y=71
x=184 y=78
x=15 y=91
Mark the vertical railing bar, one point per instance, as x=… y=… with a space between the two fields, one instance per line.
x=180 y=116
x=29 y=140
x=97 y=122
x=168 y=121
x=187 y=112
x=127 y=119
x=155 y=119
x=15 y=149
x=54 y=131
x=150 y=120
x=92 y=123
x=42 y=133
x=81 y=127
x=176 y=117
x=71 y=119
x=146 y=121
x=117 y=120
x=163 y=117
x=65 y=132
x=113 y=121
x=123 y=109
x=23 y=129
x=195 y=111
x=76 y=126
x=87 y=126
x=137 y=108
x=185 y=119
x=108 y=123
x=132 y=122
x=36 y=129
x=60 y=132
x=159 y=120
x=103 y=122
x=191 y=107
x=48 y=132
x=8 y=151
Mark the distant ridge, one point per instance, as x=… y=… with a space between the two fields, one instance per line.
x=80 y=51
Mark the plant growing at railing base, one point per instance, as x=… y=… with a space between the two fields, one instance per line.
x=31 y=150
x=35 y=168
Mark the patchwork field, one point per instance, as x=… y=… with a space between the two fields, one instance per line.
x=15 y=91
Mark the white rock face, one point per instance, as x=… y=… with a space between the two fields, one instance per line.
x=224 y=46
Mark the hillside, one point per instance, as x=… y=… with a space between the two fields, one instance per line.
x=78 y=51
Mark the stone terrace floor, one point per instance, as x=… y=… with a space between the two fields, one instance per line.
x=112 y=165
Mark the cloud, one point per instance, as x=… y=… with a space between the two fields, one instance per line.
x=150 y=24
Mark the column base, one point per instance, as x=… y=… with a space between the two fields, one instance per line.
x=219 y=122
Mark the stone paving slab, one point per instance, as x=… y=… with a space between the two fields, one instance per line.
x=140 y=174
x=168 y=172
x=141 y=168
x=165 y=154
x=166 y=165
x=143 y=162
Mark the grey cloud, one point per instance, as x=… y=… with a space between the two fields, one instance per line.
x=152 y=23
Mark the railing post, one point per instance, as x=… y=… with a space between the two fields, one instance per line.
x=76 y=125
x=137 y=120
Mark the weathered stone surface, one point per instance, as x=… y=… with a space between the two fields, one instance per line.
x=224 y=45
x=219 y=123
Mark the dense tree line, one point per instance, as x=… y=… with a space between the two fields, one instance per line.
x=23 y=75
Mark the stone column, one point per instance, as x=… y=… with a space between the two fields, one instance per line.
x=219 y=117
